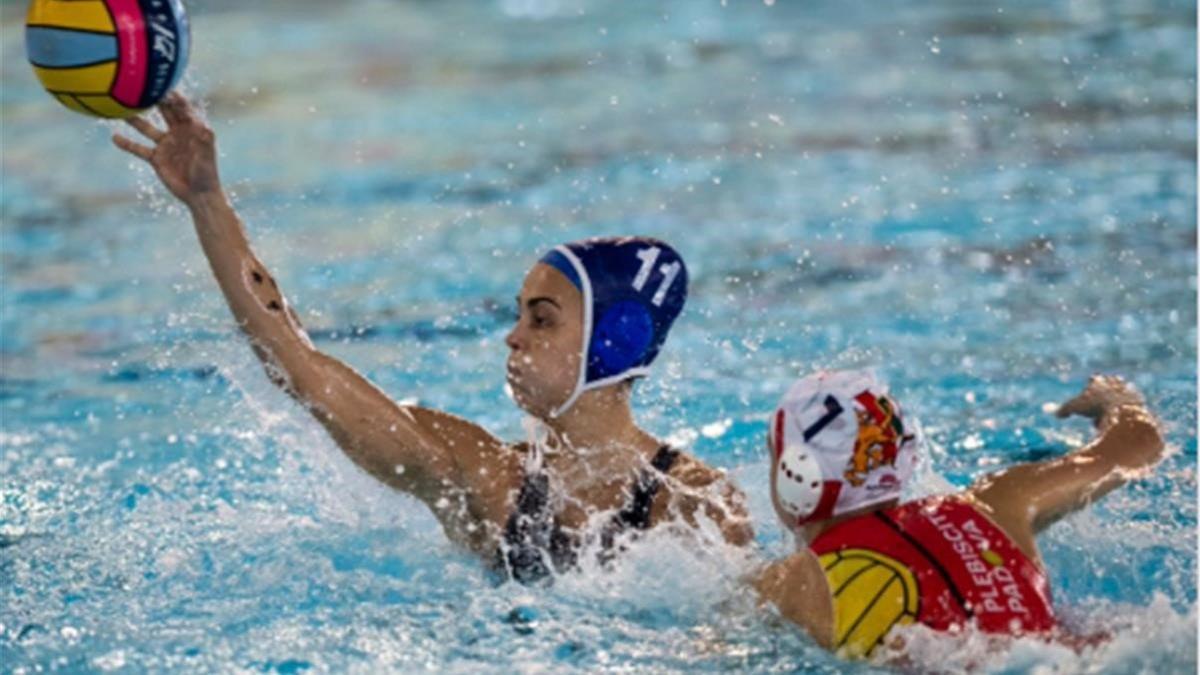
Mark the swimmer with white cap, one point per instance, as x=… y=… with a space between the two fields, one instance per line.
x=592 y=317
x=841 y=452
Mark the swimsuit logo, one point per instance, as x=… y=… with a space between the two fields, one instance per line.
x=880 y=436
x=995 y=586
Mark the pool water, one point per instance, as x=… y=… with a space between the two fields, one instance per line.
x=987 y=201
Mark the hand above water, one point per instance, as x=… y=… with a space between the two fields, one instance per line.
x=184 y=155
x=1102 y=399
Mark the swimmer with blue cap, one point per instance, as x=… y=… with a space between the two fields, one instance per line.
x=592 y=317
x=631 y=290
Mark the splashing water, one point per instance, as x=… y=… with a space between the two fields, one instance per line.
x=988 y=225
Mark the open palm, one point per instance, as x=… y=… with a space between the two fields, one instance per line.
x=184 y=155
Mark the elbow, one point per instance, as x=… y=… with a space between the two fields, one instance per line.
x=271 y=365
x=280 y=378
x=285 y=370
x=1138 y=431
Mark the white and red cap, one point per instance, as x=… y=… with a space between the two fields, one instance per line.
x=839 y=443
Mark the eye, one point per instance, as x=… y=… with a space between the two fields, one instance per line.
x=542 y=316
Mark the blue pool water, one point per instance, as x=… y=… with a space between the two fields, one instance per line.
x=988 y=201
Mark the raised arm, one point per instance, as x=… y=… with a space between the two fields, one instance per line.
x=1027 y=498
x=1128 y=444
x=432 y=455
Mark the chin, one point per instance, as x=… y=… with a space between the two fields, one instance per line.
x=527 y=407
x=526 y=403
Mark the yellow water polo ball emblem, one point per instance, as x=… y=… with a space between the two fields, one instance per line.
x=872 y=593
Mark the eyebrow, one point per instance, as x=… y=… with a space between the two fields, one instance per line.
x=541 y=298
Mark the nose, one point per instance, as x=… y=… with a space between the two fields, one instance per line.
x=513 y=339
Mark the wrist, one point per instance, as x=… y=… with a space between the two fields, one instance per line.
x=207 y=201
x=1122 y=411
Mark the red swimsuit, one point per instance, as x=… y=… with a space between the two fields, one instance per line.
x=937 y=561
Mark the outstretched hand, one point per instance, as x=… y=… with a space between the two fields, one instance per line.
x=1101 y=398
x=184 y=155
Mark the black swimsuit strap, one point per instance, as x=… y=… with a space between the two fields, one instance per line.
x=645 y=489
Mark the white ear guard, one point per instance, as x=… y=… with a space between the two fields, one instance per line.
x=798 y=481
x=798 y=475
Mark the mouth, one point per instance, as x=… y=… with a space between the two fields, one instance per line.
x=515 y=388
x=513 y=376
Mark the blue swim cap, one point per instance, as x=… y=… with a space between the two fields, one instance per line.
x=633 y=288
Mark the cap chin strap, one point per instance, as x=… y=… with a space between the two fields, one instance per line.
x=586 y=288
x=640 y=371
x=575 y=394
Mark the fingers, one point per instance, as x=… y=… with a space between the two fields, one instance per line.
x=145 y=152
x=1108 y=382
x=1102 y=393
x=146 y=128
x=176 y=109
x=1113 y=389
x=1068 y=408
x=1084 y=403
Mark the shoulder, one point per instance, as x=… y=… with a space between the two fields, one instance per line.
x=696 y=487
x=688 y=470
x=797 y=587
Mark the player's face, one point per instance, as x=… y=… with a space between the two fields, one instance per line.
x=545 y=344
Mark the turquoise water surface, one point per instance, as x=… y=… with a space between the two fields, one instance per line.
x=987 y=201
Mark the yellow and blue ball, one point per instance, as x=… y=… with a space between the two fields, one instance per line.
x=107 y=58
